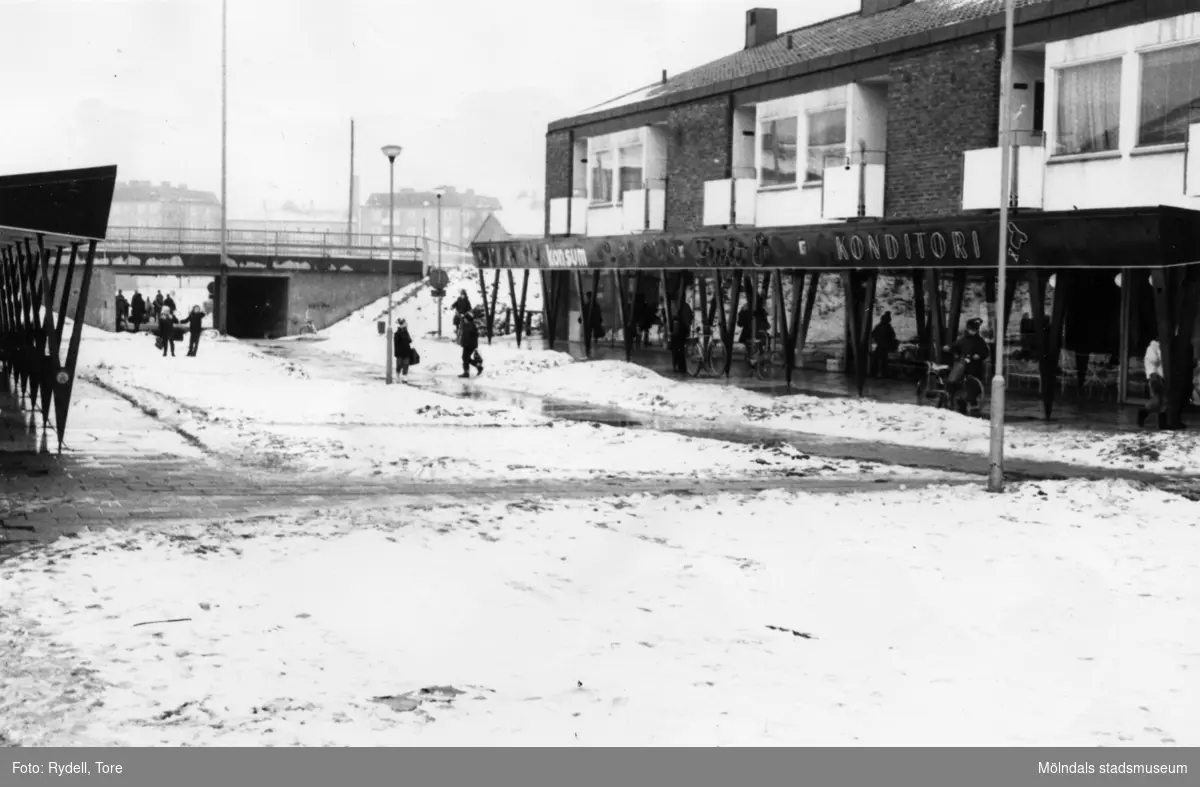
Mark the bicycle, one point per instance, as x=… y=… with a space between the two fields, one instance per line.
x=761 y=360
x=704 y=353
x=307 y=327
x=934 y=386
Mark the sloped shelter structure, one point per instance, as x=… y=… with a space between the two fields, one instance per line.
x=50 y=223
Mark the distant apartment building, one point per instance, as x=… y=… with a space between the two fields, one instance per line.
x=463 y=213
x=141 y=204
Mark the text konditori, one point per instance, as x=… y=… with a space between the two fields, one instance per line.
x=1108 y=767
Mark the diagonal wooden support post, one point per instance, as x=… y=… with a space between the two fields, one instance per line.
x=65 y=381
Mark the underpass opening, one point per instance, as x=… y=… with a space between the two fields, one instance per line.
x=184 y=291
x=257 y=307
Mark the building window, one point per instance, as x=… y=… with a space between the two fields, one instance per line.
x=1170 y=95
x=1089 y=108
x=631 y=170
x=826 y=142
x=602 y=177
x=778 y=166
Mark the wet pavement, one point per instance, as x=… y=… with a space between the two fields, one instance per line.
x=320 y=363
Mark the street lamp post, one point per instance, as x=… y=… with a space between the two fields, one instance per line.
x=391 y=151
x=439 y=191
x=995 y=481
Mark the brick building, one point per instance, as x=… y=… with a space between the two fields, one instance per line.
x=463 y=213
x=867 y=146
x=141 y=204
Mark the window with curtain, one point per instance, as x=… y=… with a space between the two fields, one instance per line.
x=631 y=171
x=1089 y=108
x=826 y=142
x=1170 y=96
x=778 y=140
x=602 y=177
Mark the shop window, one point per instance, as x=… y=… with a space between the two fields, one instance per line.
x=1170 y=95
x=602 y=177
x=826 y=142
x=778 y=146
x=1089 y=108
x=631 y=170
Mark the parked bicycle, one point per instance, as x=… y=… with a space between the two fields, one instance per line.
x=705 y=353
x=934 y=386
x=761 y=360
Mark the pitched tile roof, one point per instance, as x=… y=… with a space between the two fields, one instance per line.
x=835 y=36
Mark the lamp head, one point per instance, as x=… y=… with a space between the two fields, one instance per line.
x=439 y=191
x=391 y=151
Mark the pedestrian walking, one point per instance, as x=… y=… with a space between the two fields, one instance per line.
x=137 y=310
x=469 y=339
x=462 y=307
x=169 y=302
x=122 y=310
x=158 y=304
x=166 y=331
x=194 y=321
x=402 y=347
x=1158 y=389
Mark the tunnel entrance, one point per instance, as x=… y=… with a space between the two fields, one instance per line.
x=257 y=307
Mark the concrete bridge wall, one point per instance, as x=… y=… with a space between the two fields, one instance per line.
x=329 y=297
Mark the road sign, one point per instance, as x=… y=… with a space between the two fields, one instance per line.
x=438 y=278
x=438 y=293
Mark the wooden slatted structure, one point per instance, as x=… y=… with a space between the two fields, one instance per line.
x=48 y=219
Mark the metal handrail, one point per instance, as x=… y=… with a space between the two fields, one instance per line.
x=173 y=240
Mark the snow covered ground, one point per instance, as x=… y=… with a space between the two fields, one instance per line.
x=270 y=413
x=635 y=388
x=1057 y=614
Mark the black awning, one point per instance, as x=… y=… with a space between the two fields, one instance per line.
x=70 y=204
x=1110 y=238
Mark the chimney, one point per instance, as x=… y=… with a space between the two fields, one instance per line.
x=761 y=26
x=872 y=7
x=664 y=76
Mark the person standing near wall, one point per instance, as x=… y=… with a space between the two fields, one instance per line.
x=138 y=308
x=1154 y=378
x=122 y=310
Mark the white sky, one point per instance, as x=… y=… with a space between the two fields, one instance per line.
x=466 y=86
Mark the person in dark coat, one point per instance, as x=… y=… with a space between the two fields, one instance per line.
x=972 y=349
x=158 y=304
x=169 y=302
x=762 y=328
x=402 y=346
x=194 y=321
x=885 y=342
x=137 y=310
x=643 y=318
x=469 y=339
x=679 y=336
x=590 y=318
x=122 y=310
x=166 y=330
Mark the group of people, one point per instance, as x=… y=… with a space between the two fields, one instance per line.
x=160 y=313
x=139 y=311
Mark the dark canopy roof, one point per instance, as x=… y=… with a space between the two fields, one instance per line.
x=1109 y=238
x=64 y=206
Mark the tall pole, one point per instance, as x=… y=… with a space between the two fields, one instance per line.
x=439 y=241
x=350 y=210
x=224 y=162
x=996 y=454
x=391 y=245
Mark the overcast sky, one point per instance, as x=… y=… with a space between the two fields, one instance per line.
x=467 y=87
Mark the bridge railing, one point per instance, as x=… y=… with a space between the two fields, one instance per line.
x=280 y=244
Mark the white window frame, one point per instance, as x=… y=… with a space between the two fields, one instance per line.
x=1193 y=43
x=618 y=194
x=594 y=157
x=808 y=146
x=761 y=134
x=1057 y=71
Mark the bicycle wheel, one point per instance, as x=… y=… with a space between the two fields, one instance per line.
x=776 y=357
x=763 y=368
x=694 y=357
x=716 y=357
